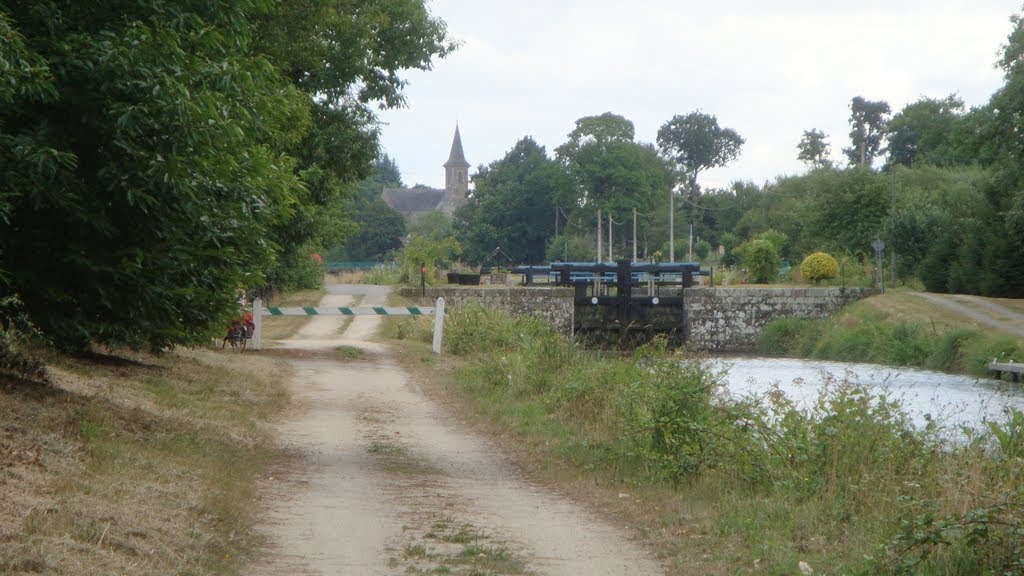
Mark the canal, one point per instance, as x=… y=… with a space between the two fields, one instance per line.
x=950 y=400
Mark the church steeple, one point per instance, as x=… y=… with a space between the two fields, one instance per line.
x=456 y=173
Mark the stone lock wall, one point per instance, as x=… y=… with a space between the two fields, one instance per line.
x=553 y=304
x=731 y=319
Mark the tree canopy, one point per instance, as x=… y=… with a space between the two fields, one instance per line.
x=814 y=150
x=867 y=130
x=695 y=142
x=512 y=206
x=156 y=157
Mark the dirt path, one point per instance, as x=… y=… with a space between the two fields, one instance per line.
x=384 y=482
x=981 y=310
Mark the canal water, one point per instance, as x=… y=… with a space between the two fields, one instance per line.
x=949 y=400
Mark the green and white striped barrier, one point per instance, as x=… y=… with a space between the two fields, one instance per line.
x=259 y=311
x=346 y=311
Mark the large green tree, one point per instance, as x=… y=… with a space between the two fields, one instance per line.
x=814 y=149
x=512 y=206
x=695 y=142
x=346 y=56
x=157 y=156
x=1004 y=149
x=928 y=132
x=609 y=171
x=171 y=129
x=380 y=232
x=868 y=125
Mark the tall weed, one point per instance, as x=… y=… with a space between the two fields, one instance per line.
x=948 y=353
x=385 y=274
x=980 y=351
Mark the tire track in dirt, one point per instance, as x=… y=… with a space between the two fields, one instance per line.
x=384 y=482
x=990 y=314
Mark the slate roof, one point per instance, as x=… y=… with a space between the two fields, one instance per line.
x=407 y=200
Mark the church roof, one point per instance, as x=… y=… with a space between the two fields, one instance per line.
x=457 y=158
x=421 y=199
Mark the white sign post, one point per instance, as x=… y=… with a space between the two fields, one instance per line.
x=438 y=324
x=257 y=321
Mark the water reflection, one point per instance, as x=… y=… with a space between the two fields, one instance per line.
x=949 y=399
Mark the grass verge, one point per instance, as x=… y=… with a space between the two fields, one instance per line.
x=888 y=330
x=135 y=464
x=717 y=486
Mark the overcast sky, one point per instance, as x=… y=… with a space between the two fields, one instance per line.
x=768 y=69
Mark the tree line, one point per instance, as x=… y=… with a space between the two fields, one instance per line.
x=941 y=185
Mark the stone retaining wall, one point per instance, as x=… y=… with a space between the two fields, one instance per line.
x=553 y=304
x=731 y=319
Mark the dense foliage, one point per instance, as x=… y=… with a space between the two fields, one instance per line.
x=379 y=229
x=511 y=207
x=760 y=258
x=155 y=157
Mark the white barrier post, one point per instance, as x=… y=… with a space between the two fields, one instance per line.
x=438 y=324
x=257 y=320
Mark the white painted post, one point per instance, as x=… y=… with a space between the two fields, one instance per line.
x=438 y=324
x=257 y=320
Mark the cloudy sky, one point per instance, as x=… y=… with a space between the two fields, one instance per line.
x=768 y=69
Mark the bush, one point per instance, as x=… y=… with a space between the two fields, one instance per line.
x=794 y=337
x=570 y=248
x=15 y=327
x=426 y=252
x=761 y=259
x=702 y=249
x=819 y=266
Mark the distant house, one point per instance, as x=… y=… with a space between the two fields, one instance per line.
x=411 y=202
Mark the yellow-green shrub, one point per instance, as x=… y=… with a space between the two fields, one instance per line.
x=819 y=266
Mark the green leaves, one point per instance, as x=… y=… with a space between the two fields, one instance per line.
x=141 y=225
x=819 y=266
x=695 y=142
x=156 y=157
x=512 y=206
x=867 y=130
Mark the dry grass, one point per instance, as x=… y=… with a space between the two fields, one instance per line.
x=1012 y=303
x=906 y=307
x=134 y=464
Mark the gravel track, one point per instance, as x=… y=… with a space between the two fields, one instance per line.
x=383 y=481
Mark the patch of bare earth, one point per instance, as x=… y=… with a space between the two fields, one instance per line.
x=385 y=481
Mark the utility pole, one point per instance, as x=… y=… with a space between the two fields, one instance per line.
x=892 y=251
x=598 y=235
x=690 y=255
x=610 y=259
x=634 y=234
x=556 y=221
x=671 y=225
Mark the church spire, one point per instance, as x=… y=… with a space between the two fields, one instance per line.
x=457 y=159
x=456 y=175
